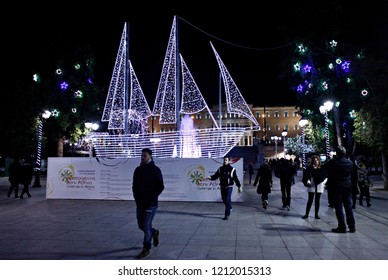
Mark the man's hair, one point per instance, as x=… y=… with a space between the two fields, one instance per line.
x=340 y=151
x=147 y=150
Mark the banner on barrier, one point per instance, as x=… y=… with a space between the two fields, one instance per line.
x=98 y=178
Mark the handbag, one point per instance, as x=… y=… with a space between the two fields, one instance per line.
x=259 y=189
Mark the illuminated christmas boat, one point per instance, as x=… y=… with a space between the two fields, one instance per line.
x=127 y=117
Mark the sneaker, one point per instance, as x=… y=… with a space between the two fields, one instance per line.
x=288 y=208
x=144 y=253
x=339 y=230
x=155 y=238
x=352 y=230
x=305 y=217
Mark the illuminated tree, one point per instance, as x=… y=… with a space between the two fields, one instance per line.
x=68 y=90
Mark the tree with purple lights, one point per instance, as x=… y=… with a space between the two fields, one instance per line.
x=67 y=89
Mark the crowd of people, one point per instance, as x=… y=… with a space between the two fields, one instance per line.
x=341 y=177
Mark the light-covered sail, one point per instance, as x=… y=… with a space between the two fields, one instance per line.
x=234 y=100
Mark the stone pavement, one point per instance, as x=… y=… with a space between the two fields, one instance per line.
x=37 y=228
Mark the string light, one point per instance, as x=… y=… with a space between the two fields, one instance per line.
x=165 y=103
x=114 y=104
x=234 y=100
x=211 y=142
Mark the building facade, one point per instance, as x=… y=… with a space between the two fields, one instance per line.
x=272 y=120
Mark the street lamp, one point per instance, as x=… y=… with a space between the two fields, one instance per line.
x=276 y=139
x=302 y=122
x=284 y=134
x=45 y=115
x=324 y=109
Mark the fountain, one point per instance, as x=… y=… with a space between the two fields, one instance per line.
x=189 y=142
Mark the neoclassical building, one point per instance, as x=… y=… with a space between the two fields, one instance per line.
x=272 y=120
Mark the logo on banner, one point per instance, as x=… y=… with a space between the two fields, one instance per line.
x=66 y=173
x=196 y=174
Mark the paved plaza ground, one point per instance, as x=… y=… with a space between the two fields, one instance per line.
x=37 y=228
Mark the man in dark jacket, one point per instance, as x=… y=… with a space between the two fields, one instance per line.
x=339 y=185
x=147 y=186
x=285 y=172
x=228 y=176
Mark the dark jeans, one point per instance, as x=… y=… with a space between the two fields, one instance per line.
x=310 y=202
x=11 y=188
x=343 y=199
x=226 y=195
x=364 y=191
x=144 y=221
x=25 y=190
x=264 y=196
x=286 y=194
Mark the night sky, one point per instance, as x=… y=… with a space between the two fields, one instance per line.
x=252 y=41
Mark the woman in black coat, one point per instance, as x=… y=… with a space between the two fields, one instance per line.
x=264 y=178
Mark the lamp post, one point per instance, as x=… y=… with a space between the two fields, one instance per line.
x=276 y=139
x=284 y=134
x=302 y=122
x=44 y=115
x=324 y=109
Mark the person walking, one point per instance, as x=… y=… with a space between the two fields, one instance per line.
x=26 y=175
x=314 y=178
x=14 y=171
x=364 y=182
x=285 y=172
x=339 y=183
x=228 y=177
x=264 y=178
x=147 y=186
x=250 y=171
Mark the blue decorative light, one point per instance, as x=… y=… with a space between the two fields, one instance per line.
x=64 y=85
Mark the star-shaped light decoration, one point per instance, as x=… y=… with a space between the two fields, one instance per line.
x=64 y=85
x=78 y=94
x=55 y=113
x=299 y=88
x=297 y=67
x=333 y=43
x=301 y=49
x=307 y=68
x=345 y=66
